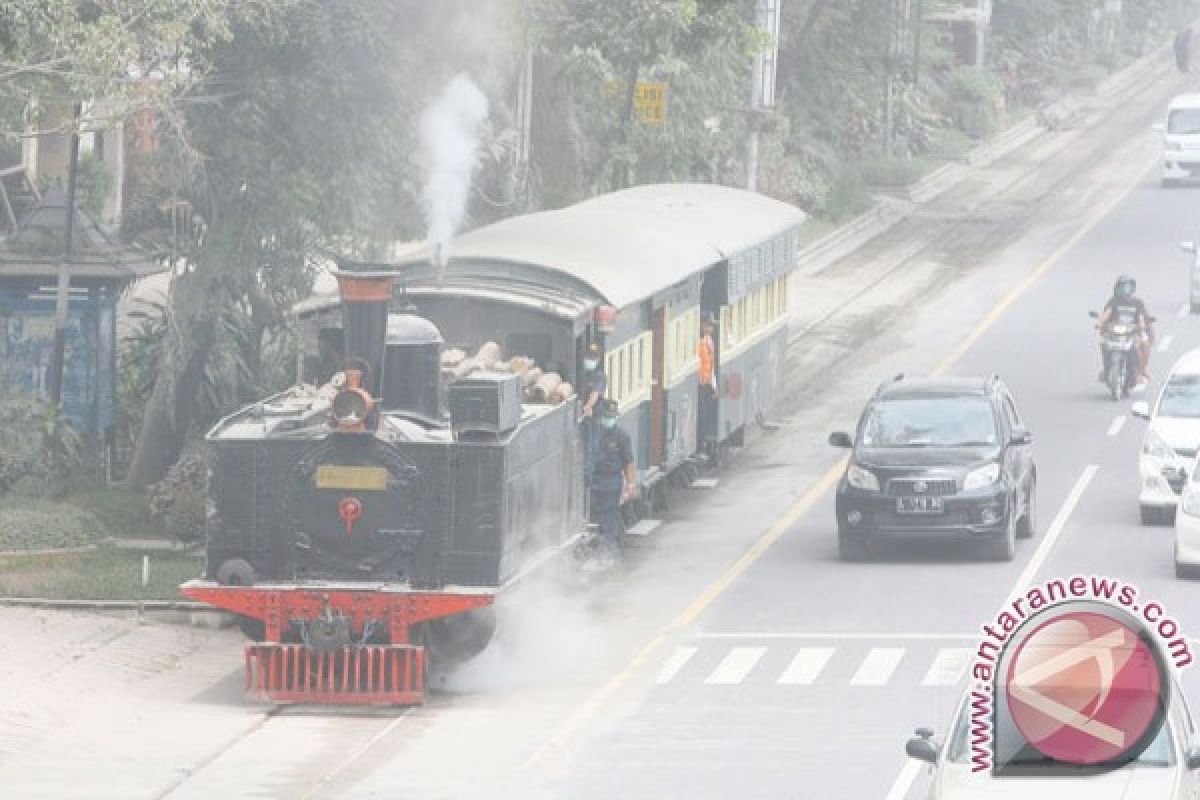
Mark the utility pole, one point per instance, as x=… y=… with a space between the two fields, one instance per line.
x=63 y=292
x=767 y=15
x=918 y=25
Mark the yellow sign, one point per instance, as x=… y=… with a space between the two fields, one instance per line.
x=366 y=479
x=650 y=103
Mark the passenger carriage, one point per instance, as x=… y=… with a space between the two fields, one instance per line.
x=635 y=271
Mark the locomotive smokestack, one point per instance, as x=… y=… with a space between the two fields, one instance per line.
x=365 y=297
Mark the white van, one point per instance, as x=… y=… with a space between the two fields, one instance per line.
x=1181 y=140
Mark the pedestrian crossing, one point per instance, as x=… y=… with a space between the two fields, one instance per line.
x=858 y=664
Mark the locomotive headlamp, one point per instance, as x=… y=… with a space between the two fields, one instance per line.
x=352 y=404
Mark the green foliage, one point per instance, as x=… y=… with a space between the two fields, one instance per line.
x=702 y=50
x=108 y=573
x=178 y=500
x=892 y=173
x=29 y=524
x=94 y=184
x=68 y=49
x=41 y=452
x=123 y=512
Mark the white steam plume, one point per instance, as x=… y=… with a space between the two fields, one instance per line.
x=449 y=138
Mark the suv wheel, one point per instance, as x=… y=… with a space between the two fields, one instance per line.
x=1003 y=547
x=1027 y=527
x=851 y=546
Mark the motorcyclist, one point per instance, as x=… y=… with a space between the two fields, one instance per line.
x=1126 y=307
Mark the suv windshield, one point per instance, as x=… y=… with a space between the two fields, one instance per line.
x=1185 y=120
x=930 y=422
x=1181 y=397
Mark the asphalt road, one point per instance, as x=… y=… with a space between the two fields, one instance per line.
x=807 y=675
x=735 y=656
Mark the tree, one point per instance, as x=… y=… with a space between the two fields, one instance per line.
x=130 y=55
x=299 y=139
x=595 y=51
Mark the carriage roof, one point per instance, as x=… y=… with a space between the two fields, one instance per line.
x=625 y=246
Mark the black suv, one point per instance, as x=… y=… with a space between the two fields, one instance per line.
x=938 y=456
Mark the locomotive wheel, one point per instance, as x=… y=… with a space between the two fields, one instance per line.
x=453 y=640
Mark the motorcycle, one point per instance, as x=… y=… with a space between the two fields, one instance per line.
x=1120 y=337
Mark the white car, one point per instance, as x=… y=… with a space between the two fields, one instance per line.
x=1187 y=530
x=1166 y=770
x=1172 y=438
x=1181 y=140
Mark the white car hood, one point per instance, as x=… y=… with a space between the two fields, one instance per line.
x=957 y=782
x=1180 y=434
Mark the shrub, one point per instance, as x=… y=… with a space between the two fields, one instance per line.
x=41 y=452
x=178 y=501
x=893 y=173
x=45 y=525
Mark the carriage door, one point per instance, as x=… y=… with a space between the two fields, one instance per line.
x=658 y=396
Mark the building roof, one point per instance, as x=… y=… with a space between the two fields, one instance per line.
x=36 y=247
x=625 y=246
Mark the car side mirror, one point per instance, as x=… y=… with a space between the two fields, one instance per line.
x=1159 y=127
x=922 y=747
x=1188 y=247
x=1020 y=436
x=1140 y=409
x=841 y=439
x=1193 y=758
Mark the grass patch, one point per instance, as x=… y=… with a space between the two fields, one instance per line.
x=32 y=524
x=108 y=573
x=124 y=512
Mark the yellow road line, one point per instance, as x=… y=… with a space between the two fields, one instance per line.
x=718 y=587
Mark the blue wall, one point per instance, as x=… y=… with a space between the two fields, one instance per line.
x=27 y=342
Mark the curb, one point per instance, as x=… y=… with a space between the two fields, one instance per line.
x=57 y=551
x=163 y=612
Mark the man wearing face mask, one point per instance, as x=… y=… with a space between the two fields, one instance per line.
x=613 y=476
x=592 y=386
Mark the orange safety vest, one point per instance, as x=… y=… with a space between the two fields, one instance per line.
x=705 y=351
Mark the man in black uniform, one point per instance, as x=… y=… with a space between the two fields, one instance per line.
x=1127 y=308
x=613 y=476
x=592 y=386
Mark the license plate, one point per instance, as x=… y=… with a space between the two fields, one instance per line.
x=919 y=505
x=367 y=479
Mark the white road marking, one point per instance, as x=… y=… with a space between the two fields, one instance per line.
x=644 y=527
x=904 y=781
x=1052 y=533
x=877 y=668
x=736 y=666
x=948 y=667
x=1165 y=344
x=675 y=663
x=1116 y=426
x=806 y=666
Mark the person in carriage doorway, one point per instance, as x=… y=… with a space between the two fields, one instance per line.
x=614 y=477
x=592 y=387
x=707 y=408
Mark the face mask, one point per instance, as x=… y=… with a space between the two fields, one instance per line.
x=609 y=422
x=590 y=364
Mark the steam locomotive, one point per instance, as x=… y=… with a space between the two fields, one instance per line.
x=361 y=529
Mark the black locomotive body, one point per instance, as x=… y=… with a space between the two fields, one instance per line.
x=409 y=503
x=374 y=518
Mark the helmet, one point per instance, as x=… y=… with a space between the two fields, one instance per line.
x=1125 y=286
